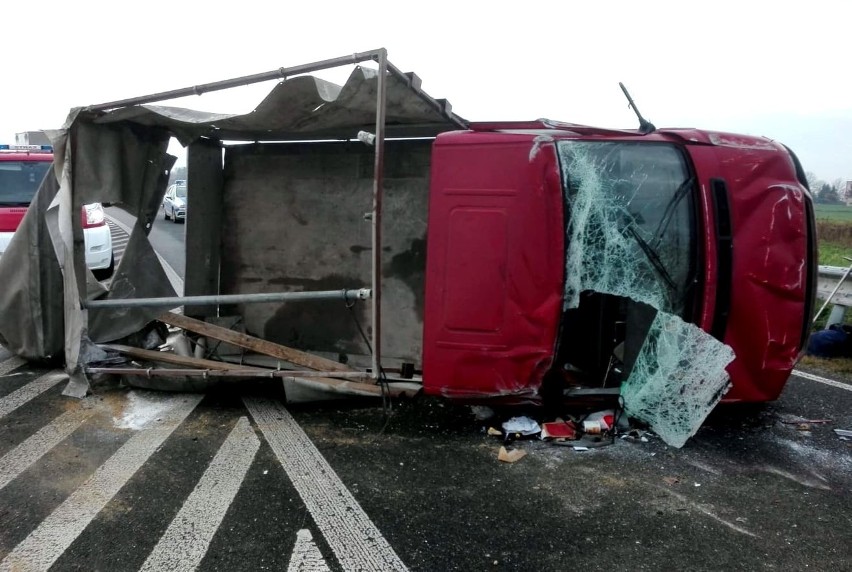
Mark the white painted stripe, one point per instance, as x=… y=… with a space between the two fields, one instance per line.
x=8 y=365
x=825 y=380
x=174 y=278
x=185 y=542
x=306 y=556
x=54 y=535
x=119 y=242
x=350 y=533
x=34 y=448
x=33 y=389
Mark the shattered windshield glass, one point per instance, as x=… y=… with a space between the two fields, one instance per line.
x=631 y=224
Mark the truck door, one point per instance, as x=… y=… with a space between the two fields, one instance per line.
x=494 y=269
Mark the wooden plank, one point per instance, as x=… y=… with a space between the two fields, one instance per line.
x=174 y=359
x=258 y=345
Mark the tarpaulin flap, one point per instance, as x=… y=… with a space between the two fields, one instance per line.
x=304 y=107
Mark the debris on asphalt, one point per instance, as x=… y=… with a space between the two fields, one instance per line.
x=521 y=426
x=635 y=435
x=671 y=481
x=796 y=420
x=481 y=412
x=510 y=455
x=559 y=430
x=803 y=427
x=495 y=432
x=603 y=419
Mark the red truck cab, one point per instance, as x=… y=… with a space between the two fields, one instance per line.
x=713 y=227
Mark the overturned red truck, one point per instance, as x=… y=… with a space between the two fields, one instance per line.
x=508 y=262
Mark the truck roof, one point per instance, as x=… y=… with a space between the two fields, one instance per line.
x=563 y=130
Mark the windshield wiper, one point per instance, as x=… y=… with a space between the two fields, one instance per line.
x=680 y=193
x=652 y=257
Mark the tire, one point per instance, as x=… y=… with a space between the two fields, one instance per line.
x=165 y=214
x=175 y=219
x=105 y=273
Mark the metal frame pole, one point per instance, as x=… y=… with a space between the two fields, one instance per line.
x=378 y=187
x=280 y=73
x=215 y=299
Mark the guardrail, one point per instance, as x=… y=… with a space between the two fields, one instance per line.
x=827 y=281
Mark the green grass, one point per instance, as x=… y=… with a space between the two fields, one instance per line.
x=832 y=253
x=840 y=213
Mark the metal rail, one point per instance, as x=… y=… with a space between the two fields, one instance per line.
x=172 y=301
x=179 y=372
x=280 y=73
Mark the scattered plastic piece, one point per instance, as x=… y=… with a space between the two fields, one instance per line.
x=678 y=378
x=510 y=455
x=606 y=419
x=558 y=430
x=495 y=432
x=580 y=448
x=521 y=425
x=671 y=480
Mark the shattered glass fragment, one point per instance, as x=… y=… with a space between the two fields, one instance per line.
x=678 y=378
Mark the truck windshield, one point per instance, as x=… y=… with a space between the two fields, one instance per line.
x=630 y=221
x=19 y=180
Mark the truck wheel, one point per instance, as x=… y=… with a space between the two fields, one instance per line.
x=165 y=214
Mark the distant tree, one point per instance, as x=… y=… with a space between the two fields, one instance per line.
x=827 y=194
x=814 y=182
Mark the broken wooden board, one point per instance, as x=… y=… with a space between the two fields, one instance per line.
x=174 y=359
x=248 y=342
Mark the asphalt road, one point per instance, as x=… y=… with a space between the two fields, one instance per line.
x=127 y=479
x=167 y=237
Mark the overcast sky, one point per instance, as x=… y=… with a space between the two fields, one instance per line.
x=762 y=68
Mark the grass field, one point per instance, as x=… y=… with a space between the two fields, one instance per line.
x=839 y=213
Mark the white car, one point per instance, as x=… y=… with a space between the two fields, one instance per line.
x=174 y=203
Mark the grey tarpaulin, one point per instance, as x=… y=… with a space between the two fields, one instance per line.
x=119 y=156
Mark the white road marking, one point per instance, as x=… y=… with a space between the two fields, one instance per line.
x=34 y=448
x=185 y=542
x=54 y=535
x=306 y=556
x=8 y=365
x=174 y=278
x=29 y=391
x=824 y=380
x=350 y=533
